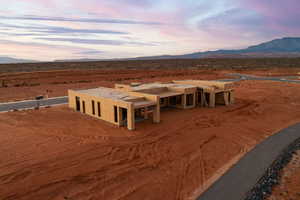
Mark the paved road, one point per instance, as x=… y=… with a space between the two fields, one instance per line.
x=252 y=77
x=63 y=100
x=243 y=176
x=20 y=105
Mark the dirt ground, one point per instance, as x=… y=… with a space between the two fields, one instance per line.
x=289 y=187
x=59 y=154
x=27 y=85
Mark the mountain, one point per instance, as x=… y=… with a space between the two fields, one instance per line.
x=7 y=60
x=284 y=47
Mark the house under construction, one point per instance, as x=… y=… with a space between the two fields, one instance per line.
x=127 y=104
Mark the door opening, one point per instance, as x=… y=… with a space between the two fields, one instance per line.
x=189 y=99
x=207 y=98
x=124 y=116
x=77 y=99
x=83 y=106
x=116 y=114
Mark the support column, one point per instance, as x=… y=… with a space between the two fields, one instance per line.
x=120 y=121
x=156 y=112
x=167 y=101
x=212 y=99
x=231 y=99
x=203 y=99
x=146 y=113
x=194 y=100
x=226 y=98
x=130 y=117
x=184 y=101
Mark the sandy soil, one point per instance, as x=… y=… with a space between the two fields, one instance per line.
x=27 y=85
x=289 y=187
x=59 y=154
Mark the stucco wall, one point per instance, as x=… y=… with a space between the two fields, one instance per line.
x=107 y=106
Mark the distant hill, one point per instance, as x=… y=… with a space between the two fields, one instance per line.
x=6 y=60
x=284 y=47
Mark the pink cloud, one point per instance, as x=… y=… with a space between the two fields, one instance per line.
x=279 y=15
x=39 y=51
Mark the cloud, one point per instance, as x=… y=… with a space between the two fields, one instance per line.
x=233 y=18
x=40 y=51
x=61 y=30
x=19 y=34
x=128 y=25
x=97 y=42
x=83 y=41
x=282 y=16
x=90 y=52
x=82 y=20
x=236 y=23
x=37 y=44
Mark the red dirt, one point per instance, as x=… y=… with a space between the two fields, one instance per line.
x=27 y=85
x=59 y=154
x=289 y=187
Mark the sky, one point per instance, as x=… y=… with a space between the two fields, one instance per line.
x=48 y=30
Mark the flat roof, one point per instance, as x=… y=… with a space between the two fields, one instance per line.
x=160 y=85
x=198 y=82
x=109 y=93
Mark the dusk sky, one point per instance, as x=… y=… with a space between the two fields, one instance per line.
x=70 y=29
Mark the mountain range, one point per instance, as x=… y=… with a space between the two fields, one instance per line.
x=7 y=60
x=284 y=47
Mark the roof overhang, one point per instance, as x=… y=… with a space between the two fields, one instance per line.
x=143 y=104
x=170 y=94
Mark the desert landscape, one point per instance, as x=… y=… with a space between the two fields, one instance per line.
x=289 y=186
x=149 y=100
x=56 y=153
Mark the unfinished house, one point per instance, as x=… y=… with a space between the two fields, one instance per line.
x=116 y=107
x=169 y=94
x=127 y=104
x=212 y=93
x=190 y=93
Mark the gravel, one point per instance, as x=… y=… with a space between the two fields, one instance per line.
x=264 y=187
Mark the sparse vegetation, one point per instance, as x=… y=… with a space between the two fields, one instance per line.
x=211 y=63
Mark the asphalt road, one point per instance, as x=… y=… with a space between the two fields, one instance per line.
x=20 y=105
x=252 y=77
x=244 y=175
